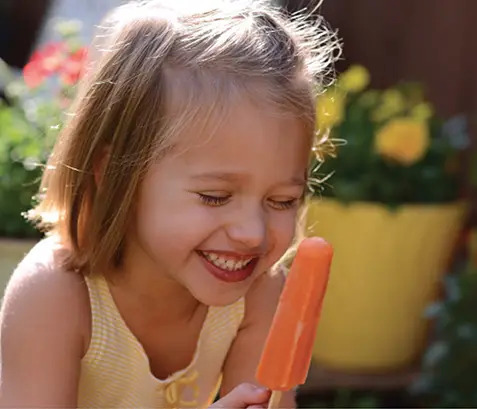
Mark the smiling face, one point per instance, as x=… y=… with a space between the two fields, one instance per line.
x=216 y=214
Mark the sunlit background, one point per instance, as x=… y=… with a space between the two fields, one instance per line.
x=395 y=194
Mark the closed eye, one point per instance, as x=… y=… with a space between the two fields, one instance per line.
x=211 y=200
x=283 y=204
x=216 y=200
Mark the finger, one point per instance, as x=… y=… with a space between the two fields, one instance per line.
x=242 y=396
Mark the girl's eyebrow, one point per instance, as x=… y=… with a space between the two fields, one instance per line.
x=234 y=177
x=226 y=176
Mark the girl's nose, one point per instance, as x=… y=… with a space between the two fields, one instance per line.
x=249 y=229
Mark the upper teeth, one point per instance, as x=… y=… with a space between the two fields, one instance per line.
x=226 y=263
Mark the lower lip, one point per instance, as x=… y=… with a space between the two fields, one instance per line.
x=229 y=276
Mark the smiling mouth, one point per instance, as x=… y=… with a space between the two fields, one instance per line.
x=226 y=268
x=226 y=263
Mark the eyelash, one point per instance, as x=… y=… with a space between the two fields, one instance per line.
x=285 y=205
x=213 y=200
x=222 y=200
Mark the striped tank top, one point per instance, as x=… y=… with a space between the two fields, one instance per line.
x=115 y=371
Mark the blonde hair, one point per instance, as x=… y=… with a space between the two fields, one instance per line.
x=157 y=69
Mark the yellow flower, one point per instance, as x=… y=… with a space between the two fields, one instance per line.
x=403 y=140
x=422 y=111
x=392 y=103
x=329 y=109
x=354 y=79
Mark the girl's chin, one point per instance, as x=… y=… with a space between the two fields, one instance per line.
x=215 y=293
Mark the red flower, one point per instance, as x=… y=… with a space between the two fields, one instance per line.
x=55 y=58
x=33 y=74
x=51 y=57
x=43 y=63
x=73 y=67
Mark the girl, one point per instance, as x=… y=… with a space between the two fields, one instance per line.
x=169 y=196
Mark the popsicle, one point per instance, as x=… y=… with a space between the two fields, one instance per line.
x=286 y=356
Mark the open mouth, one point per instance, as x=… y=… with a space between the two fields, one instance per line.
x=228 y=269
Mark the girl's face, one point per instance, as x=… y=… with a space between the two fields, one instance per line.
x=221 y=210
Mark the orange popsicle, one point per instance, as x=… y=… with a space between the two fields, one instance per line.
x=287 y=352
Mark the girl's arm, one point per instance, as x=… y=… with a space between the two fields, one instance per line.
x=42 y=338
x=241 y=364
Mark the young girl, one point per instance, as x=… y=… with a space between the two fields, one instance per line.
x=169 y=196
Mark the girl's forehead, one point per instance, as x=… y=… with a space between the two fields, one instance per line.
x=200 y=105
x=244 y=127
x=248 y=142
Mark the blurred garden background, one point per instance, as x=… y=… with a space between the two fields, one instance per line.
x=396 y=197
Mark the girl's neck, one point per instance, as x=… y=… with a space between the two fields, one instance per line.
x=155 y=296
x=158 y=302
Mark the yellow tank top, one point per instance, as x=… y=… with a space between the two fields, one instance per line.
x=115 y=371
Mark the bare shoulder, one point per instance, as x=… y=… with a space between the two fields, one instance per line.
x=262 y=298
x=43 y=327
x=40 y=288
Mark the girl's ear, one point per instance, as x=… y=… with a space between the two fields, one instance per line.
x=99 y=164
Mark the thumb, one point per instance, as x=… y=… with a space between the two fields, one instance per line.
x=242 y=396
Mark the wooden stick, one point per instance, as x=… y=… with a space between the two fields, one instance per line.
x=274 y=400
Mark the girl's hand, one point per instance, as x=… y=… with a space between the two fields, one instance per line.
x=246 y=395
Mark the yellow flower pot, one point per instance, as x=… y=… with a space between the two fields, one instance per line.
x=386 y=269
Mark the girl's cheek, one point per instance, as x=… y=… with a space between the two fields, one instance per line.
x=282 y=234
x=286 y=227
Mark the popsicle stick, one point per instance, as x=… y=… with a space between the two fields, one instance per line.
x=274 y=400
